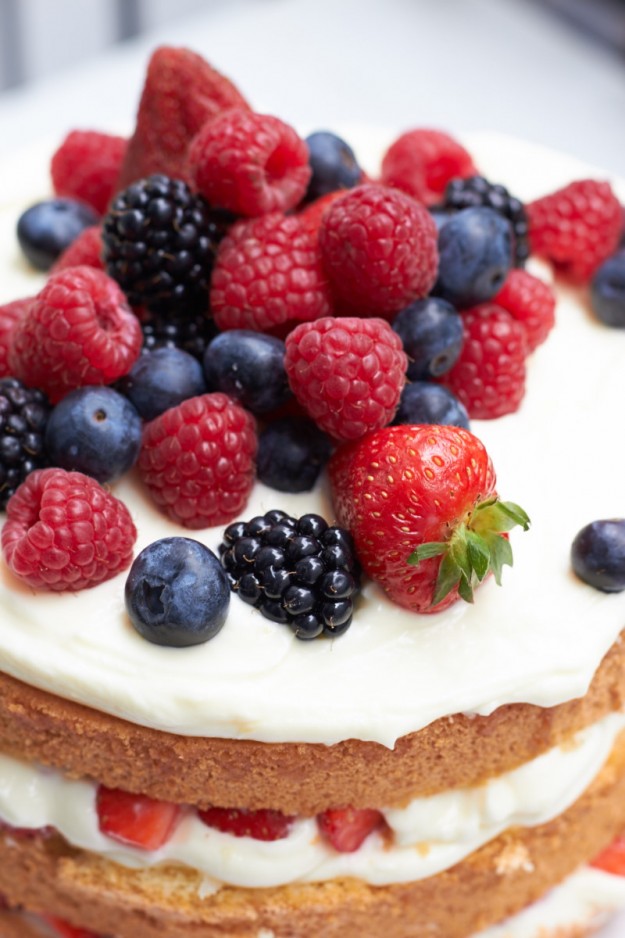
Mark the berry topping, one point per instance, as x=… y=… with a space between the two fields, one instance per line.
x=447 y=527
x=612 y=859
x=347 y=373
x=598 y=555
x=159 y=242
x=23 y=416
x=177 y=593
x=423 y=402
x=77 y=331
x=333 y=164
x=607 y=291
x=431 y=333
x=489 y=376
x=86 y=166
x=180 y=94
x=379 y=249
x=267 y=273
x=346 y=829
x=162 y=379
x=477 y=191
x=531 y=302
x=65 y=532
x=576 y=228
x=197 y=460
x=421 y=162
x=291 y=453
x=190 y=332
x=86 y=251
x=263 y=824
x=249 y=164
x=46 y=229
x=297 y=572
x=10 y=314
x=249 y=366
x=475 y=256
x=136 y=819
x=94 y=430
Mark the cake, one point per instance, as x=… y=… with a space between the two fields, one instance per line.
x=489 y=736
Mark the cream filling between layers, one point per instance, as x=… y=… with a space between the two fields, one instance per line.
x=430 y=834
x=538 y=639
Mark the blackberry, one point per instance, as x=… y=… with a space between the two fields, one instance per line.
x=23 y=417
x=299 y=572
x=191 y=332
x=159 y=241
x=478 y=192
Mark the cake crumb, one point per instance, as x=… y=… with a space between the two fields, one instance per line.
x=513 y=858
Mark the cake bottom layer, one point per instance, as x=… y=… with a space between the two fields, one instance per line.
x=44 y=874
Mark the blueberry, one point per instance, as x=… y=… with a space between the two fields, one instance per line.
x=162 y=379
x=607 y=291
x=291 y=453
x=248 y=366
x=432 y=334
x=177 y=593
x=44 y=230
x=598 y=555
x=424 y=402
x=333 y=163
x=94 y=430
x=475 y=256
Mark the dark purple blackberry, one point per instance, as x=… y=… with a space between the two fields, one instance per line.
x=191 y=332
x=300 y=572
x=477 y=192
x=23 y=417
x=159 y=245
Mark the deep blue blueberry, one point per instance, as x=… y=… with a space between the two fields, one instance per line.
x=432 y=334
x=94 y=430
x=44 y=230
x=476 y=254
x=291 y=453
x=177 y=593
x=333 y=163
x=248 y=366
x=162 y=379
x=607 y=291
x=423 y=402
x=440 y=216
x=598 y=555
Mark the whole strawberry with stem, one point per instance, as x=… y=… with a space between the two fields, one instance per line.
x=421 y=505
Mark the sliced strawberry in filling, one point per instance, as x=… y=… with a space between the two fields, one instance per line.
x=612 y=859
x=263 y=824
x=347 y=828
x=66 y=930
x=136 y=819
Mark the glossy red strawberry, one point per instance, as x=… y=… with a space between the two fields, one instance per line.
x=612 y=859
x=420 y=503
x=347 y=828
x=136 y=819
x=263 y=824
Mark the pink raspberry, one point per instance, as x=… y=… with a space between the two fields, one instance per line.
x=197 y=460
x=489 y=375
x=379 y=250
x=249 y=163
x=267 y=273
x=421 y=162
x=86 y=167
x=10 y=315
x=65 y=532
x=85 y=251
x=531 y=301
x=576 y=228
x=347 y=373
x=78 y=330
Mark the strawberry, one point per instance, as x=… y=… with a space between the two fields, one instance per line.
x=447 y=527
x=181 y=93
x=65 y=930
x=612 y=859
x=136 y=819
x=263 y=824
x=347 y=828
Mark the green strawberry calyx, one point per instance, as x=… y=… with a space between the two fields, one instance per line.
x=476 y=547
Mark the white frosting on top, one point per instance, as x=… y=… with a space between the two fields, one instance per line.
x=537 y=639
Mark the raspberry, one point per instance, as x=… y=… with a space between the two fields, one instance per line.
x=65 y=532
x=576 y=228
x=268 y=272
x=379 y=249
x=85 y=251
x=489 y=376
x=312 y=213
x=197 y=460
x=86 y=167
x=180 y=94
x=249 y=163
x=78 y=330
x=421 y=162
x=532 y=302
x=10 y=315
x=347 y=373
